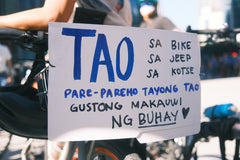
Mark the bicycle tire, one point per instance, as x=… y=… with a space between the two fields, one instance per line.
x=112 y=150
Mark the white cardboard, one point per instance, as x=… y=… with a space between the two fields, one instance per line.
x=153 y=98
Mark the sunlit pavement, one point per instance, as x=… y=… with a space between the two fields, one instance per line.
x=17 y=146
x=211 y=150
x=206 y=150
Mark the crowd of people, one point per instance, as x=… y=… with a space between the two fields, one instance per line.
x=213 y=66
x=220 y=66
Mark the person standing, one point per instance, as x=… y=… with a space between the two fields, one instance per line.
x=118 y=13
x=151 y=19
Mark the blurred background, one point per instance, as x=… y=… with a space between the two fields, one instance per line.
x=199 y=14
x=204 y=14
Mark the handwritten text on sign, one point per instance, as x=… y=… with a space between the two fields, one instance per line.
x=121 y=82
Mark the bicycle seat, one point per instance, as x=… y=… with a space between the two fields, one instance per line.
x=22 y=116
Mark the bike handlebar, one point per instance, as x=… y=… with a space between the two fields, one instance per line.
x=24 y=37
x=223 y=32
x=10 y=34
x=213 y=31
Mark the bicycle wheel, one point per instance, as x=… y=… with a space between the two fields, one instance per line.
x=5 y=139
x=111 y=150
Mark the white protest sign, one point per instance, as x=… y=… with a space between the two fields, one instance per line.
x=113 y=82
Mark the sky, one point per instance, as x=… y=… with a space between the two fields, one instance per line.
x=181 y=12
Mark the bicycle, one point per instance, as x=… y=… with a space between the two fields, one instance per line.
x=225 y=128
x=29 y=118
x=23 y=108
x=216 y=44
x=21 y=98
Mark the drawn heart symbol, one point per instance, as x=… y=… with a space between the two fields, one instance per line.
x=185 y=112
